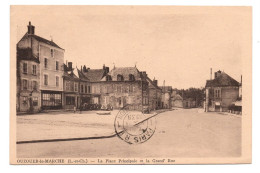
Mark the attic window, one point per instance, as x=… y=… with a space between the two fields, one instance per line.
x=120 y=77
x=131 y=77
x=108 y=78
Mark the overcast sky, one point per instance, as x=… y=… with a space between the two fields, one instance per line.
x=175 y=44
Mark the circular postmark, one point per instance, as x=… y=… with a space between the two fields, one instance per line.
x=134 y=127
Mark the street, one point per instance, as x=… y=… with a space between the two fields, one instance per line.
x=179 y=133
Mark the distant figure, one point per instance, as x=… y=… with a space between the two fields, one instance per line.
x=74 y=109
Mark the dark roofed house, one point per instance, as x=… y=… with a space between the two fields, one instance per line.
x=221 y=92
x=118 y=87
x=77 y=88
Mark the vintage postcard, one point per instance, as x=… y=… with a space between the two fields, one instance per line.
x=130 y=84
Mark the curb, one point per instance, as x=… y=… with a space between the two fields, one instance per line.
x=65 y=139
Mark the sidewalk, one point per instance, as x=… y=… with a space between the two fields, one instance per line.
x=65 y=125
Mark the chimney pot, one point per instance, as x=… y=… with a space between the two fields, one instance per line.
x=70 y=65
x=30 y=29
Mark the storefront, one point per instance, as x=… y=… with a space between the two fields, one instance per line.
x=51 y=99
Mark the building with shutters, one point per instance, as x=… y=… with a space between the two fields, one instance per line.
x=77 y=88
x=28 y=79
x=125 y=85
x=47 y=57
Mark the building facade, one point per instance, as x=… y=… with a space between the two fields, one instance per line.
x=28 y=79
x=166 y=97
x=155 y=94
x=221 y=92
x=125 y=85
x=50 y=57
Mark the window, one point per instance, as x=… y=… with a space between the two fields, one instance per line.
x=120 y=78
x=35 y=101
x=145 y=100
x=34 y=69
x=81 y=88
x=25 y=84
x=51 y=99
x=67 y=86
x=45 y=79
x=57 y=65
x=86 y=89
x=34 y=85
x=52 y=53
x=217 y=93
x=131 y=88
x=76 y=87
x=89 y=89
x=25 y=68
x=108 y=78
x=131 y=77
x=57 y=81
x=118 y=88
x=70 y=100
x=25 y=100
x=45 y=63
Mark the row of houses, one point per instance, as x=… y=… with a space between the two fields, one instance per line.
x=44 y=81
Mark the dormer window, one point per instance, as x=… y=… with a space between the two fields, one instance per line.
x=108 y=78
x=131 y=77
x=120 y=77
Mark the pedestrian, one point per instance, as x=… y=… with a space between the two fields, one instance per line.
x=74 y=109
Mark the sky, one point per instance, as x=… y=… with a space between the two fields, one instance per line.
x=172 y=43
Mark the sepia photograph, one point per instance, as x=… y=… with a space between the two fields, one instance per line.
x=130 y=84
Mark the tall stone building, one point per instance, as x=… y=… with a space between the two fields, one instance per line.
x=49 y=68
x=94 y=76
x=125 y=85
x=28 y=79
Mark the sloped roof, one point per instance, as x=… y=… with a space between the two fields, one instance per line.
x=70 y=76
x=81 y=75
x=94 y=75
x=151 y=82
x=222 y=80
x=125 y=72
x=26 y=54
x=43 y=40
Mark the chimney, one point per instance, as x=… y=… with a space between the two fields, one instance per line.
x=241 y=80
x=70 y=66
x=143 y=73
x=155 y=82
x=30 y=29
x=210 y=73
x=107 y=70
x=84 y=68
x=217 y=74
